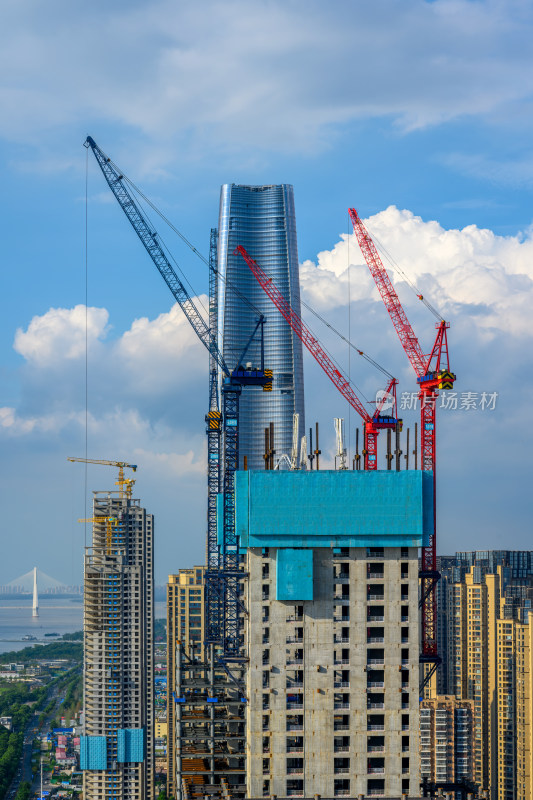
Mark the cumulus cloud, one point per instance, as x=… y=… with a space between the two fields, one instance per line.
x=474 y=269
x=61 y=334
x=271 y=74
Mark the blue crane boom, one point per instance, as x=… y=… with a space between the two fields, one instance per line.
x=224 y=570
x=149 y=237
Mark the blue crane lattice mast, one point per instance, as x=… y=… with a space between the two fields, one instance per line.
x=223 y=568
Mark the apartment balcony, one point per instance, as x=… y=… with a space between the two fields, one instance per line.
x=374 y=597
x=341 y=598
x=294 y=640
x=375 y=685
x=341 y=684
x=375 y=661
x=294 y=748
x=375 y=639
x=340 y=639
x=295 y=726
x=295 y=770
x=341 y=748
x=341 y=770
x=341 y=619
x=341 y=705
x=341 y=661
x=375 y=618
x=376 y=770
x=340 y=726
x=375 y=576
x=378 y=727
x=376 y=748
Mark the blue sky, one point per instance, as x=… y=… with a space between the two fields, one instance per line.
x=419 y=114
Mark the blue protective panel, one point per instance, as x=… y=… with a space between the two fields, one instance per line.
x=334 y=508
x=130 y=745
x=294 y=574
x=93 y=752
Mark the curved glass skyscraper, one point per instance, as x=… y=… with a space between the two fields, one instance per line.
x=262 y=219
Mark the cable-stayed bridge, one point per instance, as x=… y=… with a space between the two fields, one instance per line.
x=45 y=583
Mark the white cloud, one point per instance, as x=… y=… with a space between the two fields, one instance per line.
x=471 y=271
x=267 y=74
x=60 y=334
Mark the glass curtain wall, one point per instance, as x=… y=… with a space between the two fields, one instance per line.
x=262 y=219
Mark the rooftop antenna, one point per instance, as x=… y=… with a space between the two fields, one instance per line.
x=295 y=431
x=303 y=452
x=340 y=456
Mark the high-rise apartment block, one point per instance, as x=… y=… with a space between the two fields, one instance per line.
x=515 y=710
x=473 y=608
x=332 y=630
x=446 y=739
x=185 y=627
x=117 y=748
x=262 y=219
x=489 y=661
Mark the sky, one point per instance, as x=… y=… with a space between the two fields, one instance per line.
x=419 y=114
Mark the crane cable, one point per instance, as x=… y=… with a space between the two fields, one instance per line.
x=140 y=194
x=381 y=247
x=348 y=342
x=184 y=239
x=232 y=286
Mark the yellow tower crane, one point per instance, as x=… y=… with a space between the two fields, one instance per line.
x=110 y=523
x=125 y=484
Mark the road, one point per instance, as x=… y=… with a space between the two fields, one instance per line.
x=24 y=772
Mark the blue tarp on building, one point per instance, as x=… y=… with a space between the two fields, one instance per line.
x=334 y=508
x=130 y=745
x=93 y=752
x=294 y=574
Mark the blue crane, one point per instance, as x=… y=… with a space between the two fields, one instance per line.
x=223 y=564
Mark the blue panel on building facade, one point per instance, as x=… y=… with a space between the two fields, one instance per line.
x=334 y=508
x=294 y=574
x=93 y=752
x=130 y=745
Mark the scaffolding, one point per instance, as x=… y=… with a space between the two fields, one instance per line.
x=210 y=726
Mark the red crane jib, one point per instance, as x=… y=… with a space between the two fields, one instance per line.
x=372 y=424
x=431 y=376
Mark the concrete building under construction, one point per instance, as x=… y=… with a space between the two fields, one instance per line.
x=331 y=635
x=117 y=748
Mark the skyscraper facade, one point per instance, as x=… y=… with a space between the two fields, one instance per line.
x=185 y=626
x=262 y=219
x=117 y=748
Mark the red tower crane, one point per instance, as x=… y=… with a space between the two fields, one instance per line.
x=372 y=424
x=432 y=373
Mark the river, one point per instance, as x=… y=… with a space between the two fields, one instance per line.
x=56 y=615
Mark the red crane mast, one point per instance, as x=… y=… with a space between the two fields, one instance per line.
x=372 y=424
x=432 y=373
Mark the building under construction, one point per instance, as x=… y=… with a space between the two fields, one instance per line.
x=331 y=636
x=117 y=748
